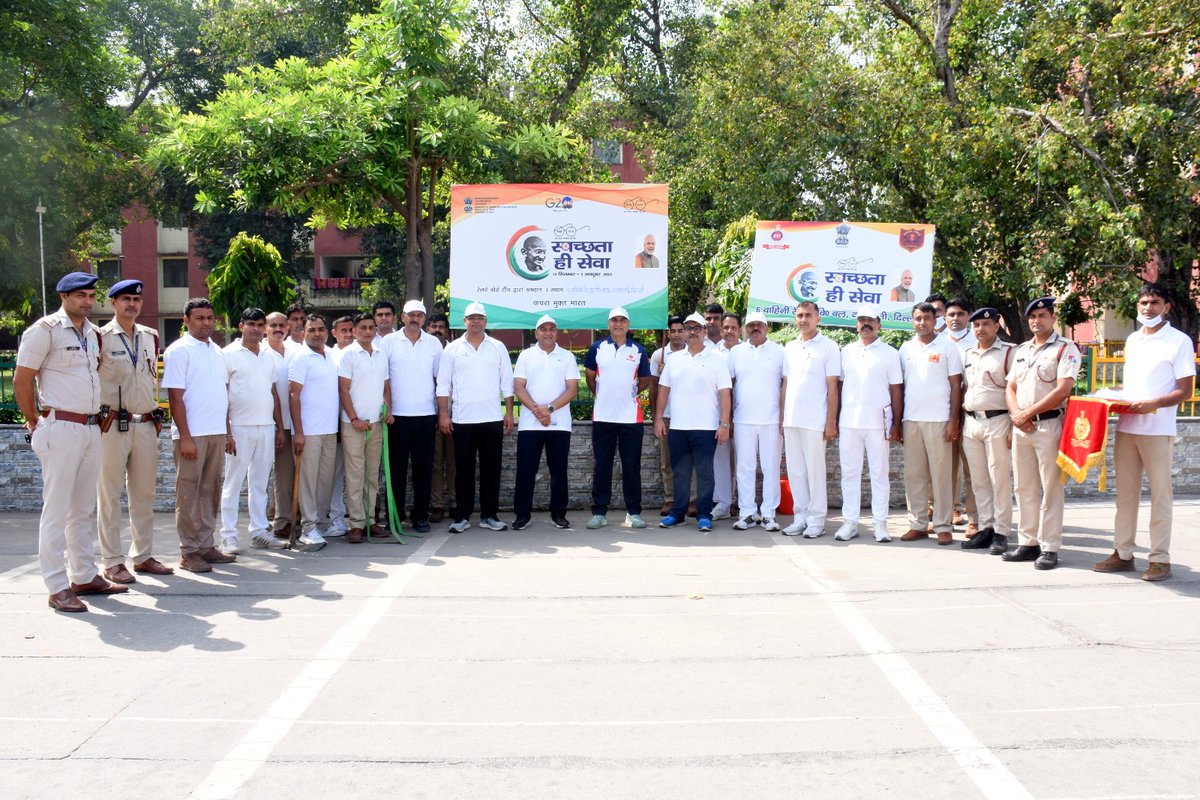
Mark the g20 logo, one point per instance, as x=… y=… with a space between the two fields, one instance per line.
x=564 y=202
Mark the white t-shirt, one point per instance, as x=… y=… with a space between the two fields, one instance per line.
x=697 y=380
x=1153 y=365
x=617 y=371
x=546 y=376
x=658 y=362
x=281 y=384
x=250 y=378
x=319 y=398
x=757 y=374
x=868 y=372
x=475 y=379
x=807 y=365
x=367 y=372
x=413 y=367
x=927 y=371
x=199 y=369
x=964 y=340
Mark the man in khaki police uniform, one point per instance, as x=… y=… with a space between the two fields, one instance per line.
x=129 y=445
x=987 y=431
x=1040 y=379
x=62 y=351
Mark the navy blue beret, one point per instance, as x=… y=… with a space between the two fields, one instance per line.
x=129 y=286
x=74 y=281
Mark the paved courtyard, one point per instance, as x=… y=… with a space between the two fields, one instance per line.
x=611 y=664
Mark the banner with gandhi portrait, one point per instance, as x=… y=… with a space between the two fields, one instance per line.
x=573 y=251
x=842 y=266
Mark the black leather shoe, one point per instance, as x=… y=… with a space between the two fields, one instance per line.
x=421 y=526
x=980 y=540
x=1026 y=552
x=1046 y=561
x=999 y=545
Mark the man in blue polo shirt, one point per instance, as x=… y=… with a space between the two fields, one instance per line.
x=617 y=370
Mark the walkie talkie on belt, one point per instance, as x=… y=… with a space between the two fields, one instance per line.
x=122 y=414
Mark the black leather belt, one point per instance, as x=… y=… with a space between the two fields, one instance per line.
x=1047 y=415
x=987 y=414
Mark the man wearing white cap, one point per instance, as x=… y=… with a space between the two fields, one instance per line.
x=545 y=380
x=413 y=358
x=617 y=370
x=474 y=375
x=871 y=407
x=758 y=369
x=810 y=415
x=700 y=376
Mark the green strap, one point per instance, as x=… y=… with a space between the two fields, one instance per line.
x=394 y=524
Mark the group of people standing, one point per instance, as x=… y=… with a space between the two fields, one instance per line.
x=302 y=424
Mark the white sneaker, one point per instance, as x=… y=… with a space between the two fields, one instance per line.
x=458 y=526
x=881 y=533
x=745 y=523
x=635 y=521
x=721 y=512
x=769 y=524
x=597 y=521
x=312 y=537
x=267 y=541
x=848 y=531
x=814 y=533
x=795 y=529
x=229 y=546
x=492 y=524
x=336 y=529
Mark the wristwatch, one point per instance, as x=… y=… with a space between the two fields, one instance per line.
x=550 y=407
x=726 y=425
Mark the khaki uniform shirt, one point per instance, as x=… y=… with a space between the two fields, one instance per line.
x=1036 y=370
x=66 y=363
x=985 y=375
x=118 y=371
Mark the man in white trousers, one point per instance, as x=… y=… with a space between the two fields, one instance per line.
x=724 y=458
x=810 y=412
x=255 y=430
x=872 y=403
x=758 y=369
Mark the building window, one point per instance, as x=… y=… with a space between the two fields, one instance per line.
x=305 y=265
x=109 y=270
x=607 y=151
x=175 y=273
x=172 y=330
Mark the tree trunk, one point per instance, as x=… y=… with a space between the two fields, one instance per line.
x=428 y=282
x=412 y=246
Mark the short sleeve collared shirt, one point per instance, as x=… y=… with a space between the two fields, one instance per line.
x=757 y=373
x=985 y=377
x=1036 y=369
x=198 y=368
x=367 y=373
x=128 y=367
x=1154 y=364
x=546 y=376
x=617 y=371
x=251 y=377
x=927 y=372
x=808 y=365
x=65 y=359
x=413 y=369
x=868 y=373
x=475 y=379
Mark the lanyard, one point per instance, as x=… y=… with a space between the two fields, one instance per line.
x=131 y=350
x=83 y=342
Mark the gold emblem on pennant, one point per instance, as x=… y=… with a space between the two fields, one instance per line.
x=1082 y=430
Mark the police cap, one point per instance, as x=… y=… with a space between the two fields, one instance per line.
x=985 y=313
x=1042 y=302
x=129 y=286
x=74 y=281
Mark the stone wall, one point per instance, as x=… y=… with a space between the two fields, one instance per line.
x=20 y=472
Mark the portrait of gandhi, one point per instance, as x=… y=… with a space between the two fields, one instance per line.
x=534 y=250
x=805 y=284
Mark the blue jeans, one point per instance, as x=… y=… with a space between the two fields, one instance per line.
x=607 y=439
x=692 y=450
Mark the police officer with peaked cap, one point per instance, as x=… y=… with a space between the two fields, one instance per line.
x=129 y=443
x=60 y=352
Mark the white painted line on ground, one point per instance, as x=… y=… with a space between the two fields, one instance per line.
x=17 y=572
x=230 y=773
x=980 y=764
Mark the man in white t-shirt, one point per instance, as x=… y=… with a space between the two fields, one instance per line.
x=296 y=315
x=313 y=397
x=810 y=412
x=414 y=358
x=545 y=381
x=474 y=376
x=1160 y=373
x=757 y=368
x=700 y=419
x=872 y=402
x=364 y=390
x=255 y=430
x=676 y=343
x=194 y=377
x=723 y=458
x=284 y=474
x=932 y=409
x=617 y=369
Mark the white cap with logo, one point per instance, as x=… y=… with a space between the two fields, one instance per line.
x=414 y=305
x=474 y=308
x=545 y=319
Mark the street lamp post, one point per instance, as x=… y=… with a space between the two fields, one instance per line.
x=41 y=209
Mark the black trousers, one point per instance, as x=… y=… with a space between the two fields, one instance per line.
x=411 y=439
x=529 y=457
x=607 y=439
x=482 y=440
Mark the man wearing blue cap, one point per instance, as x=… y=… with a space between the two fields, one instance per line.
x=1040 y=380
x=129 y=445
x=61 y=351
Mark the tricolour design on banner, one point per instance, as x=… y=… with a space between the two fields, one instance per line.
x=573 y=251
x=841 y=266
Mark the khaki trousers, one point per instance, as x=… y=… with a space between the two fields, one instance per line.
x=361 y=455
x=1039 y=486
x=444 y=473
x=128 y=461
x=285 y=477
x=70 y=456
x=985 y=446
x=927 y=467
x=1152 y=455
x=198 y=492
x=316 y=480
x=960 y=475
